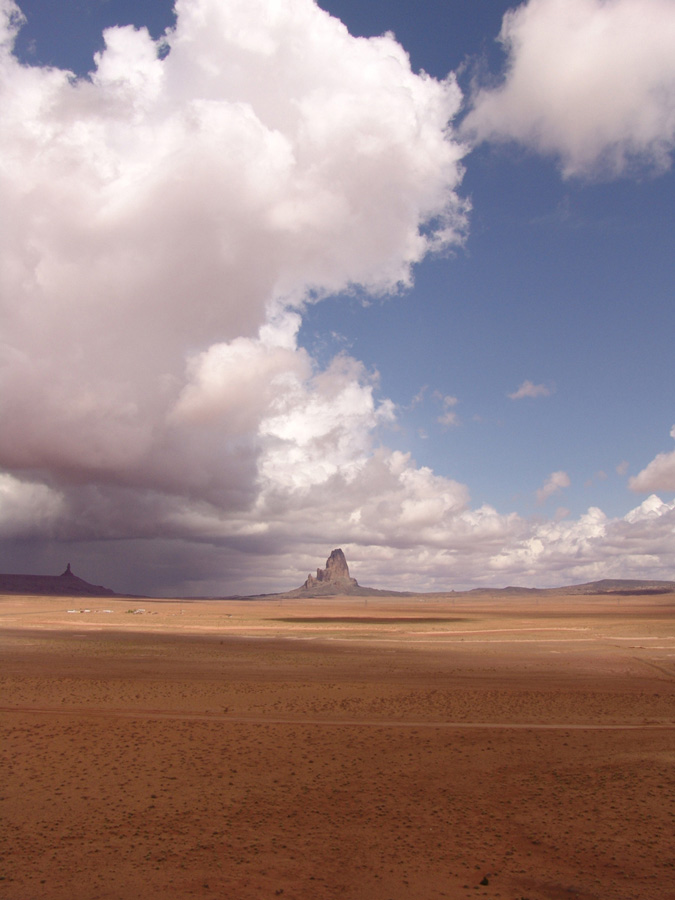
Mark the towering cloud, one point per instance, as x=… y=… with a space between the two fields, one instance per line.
x=589 y=81
x=170 y=217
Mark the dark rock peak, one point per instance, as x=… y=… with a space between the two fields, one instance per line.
x=67 y=584
x=336 y=573
x=336 y=567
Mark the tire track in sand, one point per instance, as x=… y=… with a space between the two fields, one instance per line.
x=157 y=714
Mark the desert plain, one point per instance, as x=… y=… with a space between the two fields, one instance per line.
x=377 y=748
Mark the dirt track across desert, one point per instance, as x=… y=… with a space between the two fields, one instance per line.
x=340 y=748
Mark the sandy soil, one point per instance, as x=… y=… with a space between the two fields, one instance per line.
x=373 y=749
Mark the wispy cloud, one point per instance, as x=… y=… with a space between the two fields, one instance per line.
x=448 y=416
x=529 y=389
x=417 y=400
x=553 y=485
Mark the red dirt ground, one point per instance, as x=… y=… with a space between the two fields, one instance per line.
x=371 y=749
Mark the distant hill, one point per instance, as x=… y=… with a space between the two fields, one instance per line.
x=617 y=587
x=65 y=585
x=621 y=586
x=333 y=590
x=335 y=581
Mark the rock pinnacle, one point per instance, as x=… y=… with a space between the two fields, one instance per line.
x=335 y=574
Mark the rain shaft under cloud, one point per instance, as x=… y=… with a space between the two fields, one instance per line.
x=172 y=215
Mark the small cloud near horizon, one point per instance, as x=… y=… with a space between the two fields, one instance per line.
x=529 y=389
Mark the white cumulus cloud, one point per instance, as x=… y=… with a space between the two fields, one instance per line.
x=658 y=475
x=591 y=82
x=171 y=215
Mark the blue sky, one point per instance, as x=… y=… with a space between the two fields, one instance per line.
x=522 y=376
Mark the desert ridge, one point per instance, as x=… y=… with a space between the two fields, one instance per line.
x=67 y=584
x=334 y=580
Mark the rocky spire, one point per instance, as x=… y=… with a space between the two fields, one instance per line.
x=336 y=573
x=67 y=572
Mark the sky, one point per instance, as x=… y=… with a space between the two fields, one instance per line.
x=278 y=277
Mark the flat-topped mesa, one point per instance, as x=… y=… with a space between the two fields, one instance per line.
x=335 y=574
